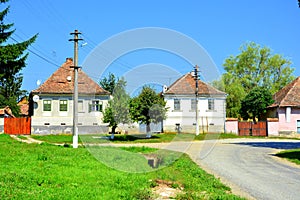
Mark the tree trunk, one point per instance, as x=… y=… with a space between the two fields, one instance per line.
x=113 y=131
x=148 y=130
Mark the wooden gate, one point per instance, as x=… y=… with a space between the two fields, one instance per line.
x=17 y=126
x=253 y=129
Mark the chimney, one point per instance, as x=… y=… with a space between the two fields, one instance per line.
x=69 y=60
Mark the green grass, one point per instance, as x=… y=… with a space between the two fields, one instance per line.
x=22 y=137
x=62 y=138
x=138 y=138
x=33 y=171
x=291 y=155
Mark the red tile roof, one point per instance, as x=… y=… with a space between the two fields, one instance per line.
x=61 y=82
x=185 y=85
x=288 y=96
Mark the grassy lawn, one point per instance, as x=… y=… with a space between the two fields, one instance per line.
x=138 y=138
x=291 y=155
x=33 y=171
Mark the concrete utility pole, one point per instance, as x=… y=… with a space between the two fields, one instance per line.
x=196 y=68
x=75 y=98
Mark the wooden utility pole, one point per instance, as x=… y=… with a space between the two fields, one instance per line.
x=75 y=97
x=196 y=68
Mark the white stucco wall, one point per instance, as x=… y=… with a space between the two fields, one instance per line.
x=208 y=120
x=65 y=118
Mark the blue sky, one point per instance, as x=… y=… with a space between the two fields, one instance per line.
x=220 y=27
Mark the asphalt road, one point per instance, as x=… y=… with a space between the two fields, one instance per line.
x=249 y=167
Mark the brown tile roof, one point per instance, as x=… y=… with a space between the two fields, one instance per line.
x=288 y=96
x=185 y=85
x=58 y=82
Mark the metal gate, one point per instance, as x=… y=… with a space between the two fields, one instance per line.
x=17 y=126
x=253 y=129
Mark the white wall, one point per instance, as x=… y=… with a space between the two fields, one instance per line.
x=208 y=120
x=65 y=118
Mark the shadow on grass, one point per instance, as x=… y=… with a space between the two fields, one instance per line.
x=290 y=155
x=129 y=138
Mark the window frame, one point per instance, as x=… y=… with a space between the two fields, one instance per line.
x=211 y=104
x=96 y=106
x=81 y=109
x=47 y=105
x=177 y=105
x=193 y=104
x=64 y=105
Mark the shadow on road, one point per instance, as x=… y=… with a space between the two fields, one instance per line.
x=274 y=145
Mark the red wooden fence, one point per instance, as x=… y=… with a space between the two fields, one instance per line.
x=253 y=129
x=17 y=126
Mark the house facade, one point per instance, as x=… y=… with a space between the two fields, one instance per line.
x=286 y=108
x=181 y=103
x=51 y=104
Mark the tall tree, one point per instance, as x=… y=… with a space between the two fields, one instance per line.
x=109 y=83
x=255 y=103
x=118 y=107
x=12 y=61
x=148 y=107
x=254 y=66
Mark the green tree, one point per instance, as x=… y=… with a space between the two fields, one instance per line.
x=255 y=103
x=118 y=107
x=148 y=107
x=254 y=66
x=109 y=83
x=12 y=61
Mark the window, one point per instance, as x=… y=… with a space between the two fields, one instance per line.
x=80 y=106
x=298 y=126
x=47 y=105
x=176 y=104
x=63 y=105
x=95 y=106
x=211 y=104
x=193 y=104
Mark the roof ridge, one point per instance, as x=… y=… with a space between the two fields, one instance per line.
x=177 y=81
x=290 y=88
x=62 y=82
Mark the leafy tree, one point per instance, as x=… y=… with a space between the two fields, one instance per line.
x=255 y=66
x=109 y=83
x=148 y=107
x=12 y=61
x=255 y=103
x=118 y=108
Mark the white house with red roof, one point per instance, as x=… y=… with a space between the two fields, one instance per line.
x=51 y=104
x=286 y=109
x=181 y=103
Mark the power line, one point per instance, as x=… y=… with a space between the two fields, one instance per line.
x=43 y=58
